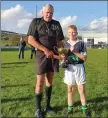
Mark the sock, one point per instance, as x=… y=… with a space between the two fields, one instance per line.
x=48 y=95
x=70 y=108
x=84 y=108
x=38 y=100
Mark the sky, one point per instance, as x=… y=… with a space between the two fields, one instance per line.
x=88 y=16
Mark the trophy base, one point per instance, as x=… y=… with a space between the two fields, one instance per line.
x=64 y=64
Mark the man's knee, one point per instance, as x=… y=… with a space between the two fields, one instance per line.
x=39 y=85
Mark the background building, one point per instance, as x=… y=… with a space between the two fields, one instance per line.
x=95 y=40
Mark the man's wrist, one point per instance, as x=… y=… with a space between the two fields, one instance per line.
x=44 y=50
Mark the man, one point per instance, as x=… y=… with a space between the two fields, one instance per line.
x=22 y=45
x=33 y=52
x=44 y=34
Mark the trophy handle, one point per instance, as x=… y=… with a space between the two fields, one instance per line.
x=55 y=49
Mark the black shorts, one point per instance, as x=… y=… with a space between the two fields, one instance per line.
x=44 y=64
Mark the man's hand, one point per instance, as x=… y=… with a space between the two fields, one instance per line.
x=59 y=57
x=48 y=53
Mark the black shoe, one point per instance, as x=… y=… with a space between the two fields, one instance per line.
x=50 y=110
x=87 y=114
x=38 y=114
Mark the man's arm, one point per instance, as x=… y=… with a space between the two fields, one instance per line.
x=60 y=44
x=33 y=42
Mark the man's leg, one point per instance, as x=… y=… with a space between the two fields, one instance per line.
x=38 y=92
x=22 y=53
x=49 y=79
x=19 y=53
x=31 y=54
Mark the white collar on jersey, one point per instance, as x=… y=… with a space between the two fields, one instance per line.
x=72 y=44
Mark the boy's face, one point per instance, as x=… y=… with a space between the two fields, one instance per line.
x=72 y=34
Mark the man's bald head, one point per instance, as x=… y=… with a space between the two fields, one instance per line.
x=48 y=6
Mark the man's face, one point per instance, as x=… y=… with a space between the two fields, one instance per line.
x=47 y=13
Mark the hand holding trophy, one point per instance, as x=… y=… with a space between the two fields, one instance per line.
x=62 y=56
x=61 y=51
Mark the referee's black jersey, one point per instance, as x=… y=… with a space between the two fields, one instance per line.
x=46 y=33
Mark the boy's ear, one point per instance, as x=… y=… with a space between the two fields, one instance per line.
x=67 y=34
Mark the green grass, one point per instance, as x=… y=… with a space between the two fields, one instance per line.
x=18 y=85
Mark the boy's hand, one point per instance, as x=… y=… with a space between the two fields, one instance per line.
x=72 y=48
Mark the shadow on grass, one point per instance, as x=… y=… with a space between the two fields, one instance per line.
x=97 y=105
x=5 y=66
x=15 y=63
x=5 y=86
x=4 y=100
x=95 y=100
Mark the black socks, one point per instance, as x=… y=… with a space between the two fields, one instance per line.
x=48 y=91
x=38 y=100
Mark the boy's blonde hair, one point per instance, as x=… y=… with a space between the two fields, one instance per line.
x=72 y=27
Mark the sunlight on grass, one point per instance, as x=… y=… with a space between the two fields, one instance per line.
x=18 y=85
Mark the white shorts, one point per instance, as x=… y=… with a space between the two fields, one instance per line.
x=74 y=73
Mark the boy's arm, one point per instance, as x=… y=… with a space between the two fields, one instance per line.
x=81 y=56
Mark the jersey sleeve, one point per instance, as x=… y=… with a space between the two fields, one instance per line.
x=66 y=45
x=83 y=49
x=32 y=28
x=59 y=32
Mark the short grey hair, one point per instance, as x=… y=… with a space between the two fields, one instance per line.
x=48 y=5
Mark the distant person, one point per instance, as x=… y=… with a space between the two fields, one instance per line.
x=75 y=72
x=33 y=52
x=22 y=45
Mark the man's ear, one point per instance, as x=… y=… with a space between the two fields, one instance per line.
x=42 y=12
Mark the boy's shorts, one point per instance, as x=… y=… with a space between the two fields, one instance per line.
x=74 y=73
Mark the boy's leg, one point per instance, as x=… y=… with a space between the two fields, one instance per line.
x=70 y=98
x=82 y=92
x=70 y=95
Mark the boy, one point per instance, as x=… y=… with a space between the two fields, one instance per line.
x=75 y=72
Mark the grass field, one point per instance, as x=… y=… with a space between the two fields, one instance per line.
x=18 y=85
